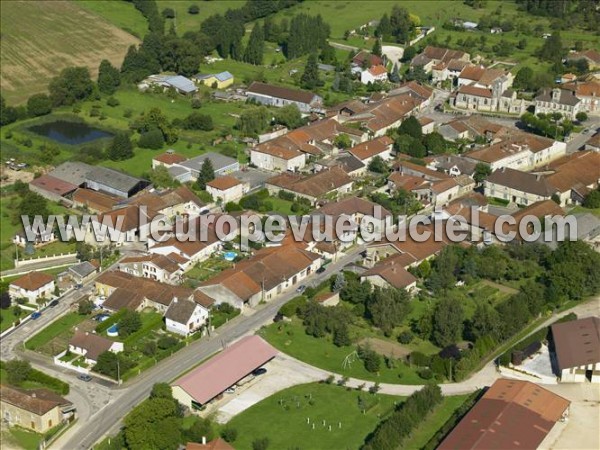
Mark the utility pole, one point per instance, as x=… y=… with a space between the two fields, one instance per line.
x=118 y=370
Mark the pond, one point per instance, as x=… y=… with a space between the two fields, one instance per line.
x=69 y=132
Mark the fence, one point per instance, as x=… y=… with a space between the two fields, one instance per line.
x=50 y=258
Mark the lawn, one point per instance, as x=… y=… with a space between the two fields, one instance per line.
x=60 y=328
x=282 y=418
x=206 y=269
x=290 y=338
x=39 y=39
x=191 y=22
x=27 y=440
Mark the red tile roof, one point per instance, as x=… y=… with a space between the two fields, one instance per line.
x=511 y=415
x=170 y=158
x=377 y=70
x=53 y=185
x=33 y=281
x=474 y=90
x=223 y=183
x=372 y=148
x=227 y=368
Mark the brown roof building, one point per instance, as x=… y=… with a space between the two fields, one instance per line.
x=215 y=444
x=312 y=186
x=33 y=281
x=91 y=345
x=512 y=414
x=577 y=348
x=51 y=187
x=381 y=146
x=94 y=201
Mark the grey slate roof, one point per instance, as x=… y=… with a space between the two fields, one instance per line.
x=567 y=97
x=218 y=161
x=522 y=181
x=113 y=178
x=83 y=269
x=72 y=172
x=180 y=311
x=176 y=171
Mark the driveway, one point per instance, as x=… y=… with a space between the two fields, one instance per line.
x=282 y=372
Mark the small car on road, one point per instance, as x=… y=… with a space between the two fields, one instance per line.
x=301 y=289
x=36 y=315
x=84 y=377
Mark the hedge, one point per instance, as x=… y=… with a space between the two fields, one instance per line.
x=114 y=318
x=51 y=383
x=290 y=309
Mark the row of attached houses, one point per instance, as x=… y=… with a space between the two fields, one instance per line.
x=570 y=99
x=271 y=95
x=570 y=178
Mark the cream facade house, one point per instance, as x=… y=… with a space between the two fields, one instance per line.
x=226 y=189
x=32 y=286
x=185 y=317
x=276 y=158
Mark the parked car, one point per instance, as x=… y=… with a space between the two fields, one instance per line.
x=259 y=371
x=36 y=315
x=301 y=289
x=78 y=286
x=321 y=269
x=53 y=303
x=230 y=390
x=101 y=317
x=84 y=377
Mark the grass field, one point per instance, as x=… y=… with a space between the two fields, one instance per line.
x=282 y=418
x=59 y=328
x=118 y=12
x=291 y=338
x=41 y=38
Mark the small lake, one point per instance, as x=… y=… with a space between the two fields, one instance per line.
x=68 y=132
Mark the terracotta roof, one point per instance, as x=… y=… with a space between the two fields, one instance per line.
x=315 y=185
x=442 y=54
x=512 y=414
x=202 y=299
x=377 y=70
x=407 y=167
x=594 y=141
x=269 y=148
x=53 y=185
x=474 y=90
x=592 y=55
x=522 y=181
x=36 y=401
x=323 y=296
x=225 y=369
x=94 y=344
x=296 y=95
x=33 y=280
x=390 y=110
x=472 y=72
x=130 y=215
x=577 y=342
x=170 y=158
x=407 y=182
x=418 y=250
x=374 y=60
x=393 y=271
x=584 y=89
x=372 y=148
x=425 y=120
x=215 y=444
x=443 y=185
x=223 y=183
x=516 y=143
x=97 y=201
x=350 y=206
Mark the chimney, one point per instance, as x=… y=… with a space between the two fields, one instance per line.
x=174 y=299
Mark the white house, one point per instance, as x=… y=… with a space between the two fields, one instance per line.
x=374 y=74
x=185 y=317
x=226 y=189
x=32 y=286
x=91 y=346
x=274 y=157
x=577 y=348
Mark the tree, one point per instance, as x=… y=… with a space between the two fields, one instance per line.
x=485 y=322
x=71 y=85
x=193 y=9
x=161 y=178
x=581 y=116
x=342 y=141
x=85 y=307
x=120 y=148
x=409 y=146
x=378 y=165
x=168 y=13
x=552 y=50
x=201 y=428
x=256 y=46
x=434 y=143
x=307 y=35
x=524 y=79
x=370 y=358
x=592 y=200
x=32 y=204
x=254 y=121
x=448 y=319
x=229 y=434
x=207 y=173
x=154 y=425
x=161 y=390
x=8 y=114
x=198 y=121
x=340 y=282
x=412 y=127
x=376 y=48
x=409 y=53
x=327 y=55
x=152 y=139
x=482 y=171
x=417 y=74
x=17 y=371
x=310 y=77
x=129 y=323
x=109 y=78
x=39 y=105
x=289 y=116
x=155 y=118
x=394 y=74
x=387 y=308
x=341 y=336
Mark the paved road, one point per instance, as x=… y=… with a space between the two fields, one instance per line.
x=349 y=48
x=107 y=420
x=579 y=139
x=41 y=265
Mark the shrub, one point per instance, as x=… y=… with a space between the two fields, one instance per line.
x=167 y=342
x=152 y=139
x=260 y=444
x=285 y=195
x=290 y=309
x=149 y=348
x=418 y=359
x=194 y=9
x=405 y=337
x=112 y=102
x=196 y=103
x=229 y=434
